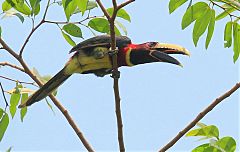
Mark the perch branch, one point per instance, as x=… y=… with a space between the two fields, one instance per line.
x=12 y=65
x=199 y=117
x=115 y=72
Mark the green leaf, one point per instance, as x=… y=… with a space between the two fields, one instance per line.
x=122 y=27
x=200 y=25
x=91 y=5
x=117 y=32
x=201 y=148
x=1 y=112
x=228 y=35
x=35 y=4
x=200 y=124
x=225 y=13
x=210 y=28
x=236 y=43
x=68 y=39
x=174 y=4
x=69 y=7
x=208 y=131
x=23 y=111
x=9 y=149
x=99 y=24
x=20 y=17
x=13 y=110
x=6 y=6
x=3 y=125
x=20 y=6
x=121 y=13
x=193 y=12
x=14 y=100
x=82 y=5
x=73 y=30
x=228 y=144
x=50 y=106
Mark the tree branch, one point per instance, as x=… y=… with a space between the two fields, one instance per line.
x=103 y=9
x=23 y=82
x=199 y=117
x=12 y=65
x=33 y=30
x=4 y=97
x=115 y=72
x=124 y=4
x=55 y=101
x=29 y=36
x=231 y=15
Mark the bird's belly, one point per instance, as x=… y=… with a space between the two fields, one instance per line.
x=83 y=63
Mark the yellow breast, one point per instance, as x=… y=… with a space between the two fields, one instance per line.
x=81 y=63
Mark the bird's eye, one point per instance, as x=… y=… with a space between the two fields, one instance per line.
x=151 y=44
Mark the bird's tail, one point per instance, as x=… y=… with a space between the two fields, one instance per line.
x=47 y=88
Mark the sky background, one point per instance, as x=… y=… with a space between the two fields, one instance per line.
x=158 y=100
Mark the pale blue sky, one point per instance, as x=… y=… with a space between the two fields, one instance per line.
x=158 y=100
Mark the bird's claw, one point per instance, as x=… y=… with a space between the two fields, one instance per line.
x=115 y=74
x=113 y=52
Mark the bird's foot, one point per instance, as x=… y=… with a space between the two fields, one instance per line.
x=112 y=52
x=115 y=74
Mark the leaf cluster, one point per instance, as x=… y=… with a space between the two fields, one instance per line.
x=215 y=144
x=204 y=18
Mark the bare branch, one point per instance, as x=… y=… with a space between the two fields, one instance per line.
x=231 y=15
x=45 y=13
x=12 y=65
x=199 y=117
x=29 y=36
x=115 y=72
x=103 y=9
x=23 y=82
x=124 y=4
x=8 y=49
x=114 y=2
x=6 y=103
x=33 y=30
x=55 y=101
x=232 y=3
x=65 y=22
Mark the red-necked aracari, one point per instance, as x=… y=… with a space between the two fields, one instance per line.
x=92 y=56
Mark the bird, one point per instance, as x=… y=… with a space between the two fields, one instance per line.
x=94 y=56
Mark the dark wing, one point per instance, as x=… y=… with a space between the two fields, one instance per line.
x=102 y=40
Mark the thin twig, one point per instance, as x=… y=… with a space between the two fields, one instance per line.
x=235 y=5
x=125 y=3
x=66 y=22
x=13 y=80
x=33 y=30
x=29 y=36
x=231 y=15
x=45 y=12
x=103 y=9
x=6 y=103
x=12 y=65
x=9 y=50
x=199 y=117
